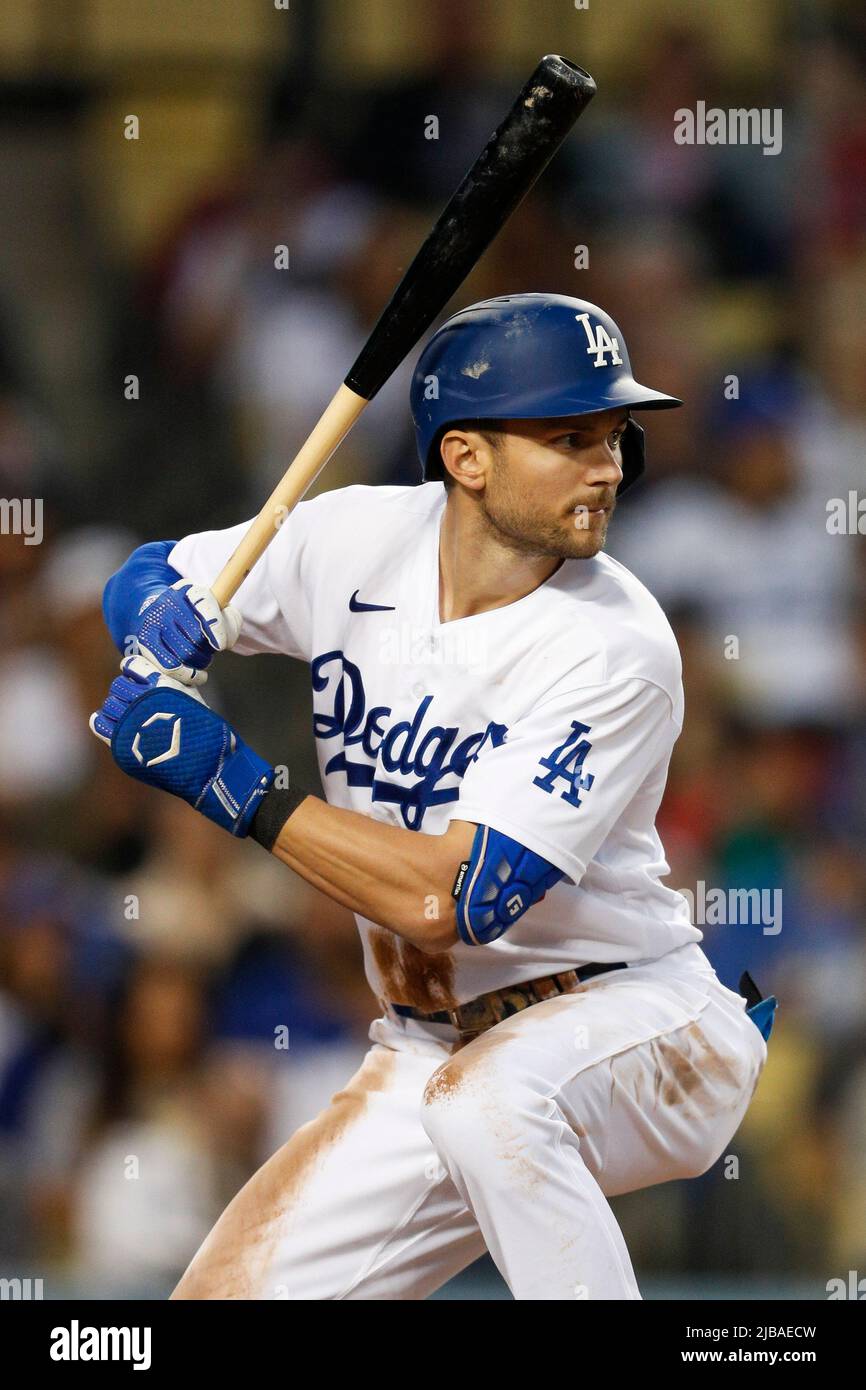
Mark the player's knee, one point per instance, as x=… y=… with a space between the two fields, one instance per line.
x=709 y=1142
x=694 y=1167
x=699 y=1157
x=444 y=1111
x=465 y=1110
x=452 y=1116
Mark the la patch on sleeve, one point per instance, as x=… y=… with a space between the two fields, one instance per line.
x=565 y=764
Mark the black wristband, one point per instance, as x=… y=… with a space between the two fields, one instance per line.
x=277 y=805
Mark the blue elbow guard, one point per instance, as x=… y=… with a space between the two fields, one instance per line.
x=146 y=572
x=500 y=881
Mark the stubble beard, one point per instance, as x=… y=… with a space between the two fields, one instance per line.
x=536 y=535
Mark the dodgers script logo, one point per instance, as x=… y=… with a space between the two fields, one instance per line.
x=430 y=754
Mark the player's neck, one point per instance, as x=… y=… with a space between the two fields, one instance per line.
x=478 y=571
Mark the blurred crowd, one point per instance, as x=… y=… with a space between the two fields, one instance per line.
x=170 y=1008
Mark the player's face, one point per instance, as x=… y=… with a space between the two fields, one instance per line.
x=551 y=486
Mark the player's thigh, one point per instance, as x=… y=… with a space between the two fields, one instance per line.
x=356 y=1204
x=667 y=1107
x=649 y=1073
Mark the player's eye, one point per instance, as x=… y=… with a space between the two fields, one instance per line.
x=576 y=440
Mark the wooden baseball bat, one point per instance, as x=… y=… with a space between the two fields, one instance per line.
x=543 y=113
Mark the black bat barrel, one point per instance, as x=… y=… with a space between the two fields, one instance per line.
x=511 y=161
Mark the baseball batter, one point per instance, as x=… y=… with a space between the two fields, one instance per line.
x=495 y=705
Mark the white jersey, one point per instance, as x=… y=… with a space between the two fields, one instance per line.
x=551 y=719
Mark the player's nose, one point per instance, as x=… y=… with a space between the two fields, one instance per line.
x=603 y=465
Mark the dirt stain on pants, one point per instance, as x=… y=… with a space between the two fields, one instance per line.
x=234 y=1260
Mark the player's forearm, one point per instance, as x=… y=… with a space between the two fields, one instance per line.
x=399 y=878
x=163 y=733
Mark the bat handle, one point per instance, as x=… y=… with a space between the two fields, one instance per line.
x=333 y=425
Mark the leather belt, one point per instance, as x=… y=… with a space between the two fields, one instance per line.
x=477 y=1015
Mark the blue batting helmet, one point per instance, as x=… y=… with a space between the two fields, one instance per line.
x=527 y=357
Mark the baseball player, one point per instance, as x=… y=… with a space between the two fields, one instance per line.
x=495 y=705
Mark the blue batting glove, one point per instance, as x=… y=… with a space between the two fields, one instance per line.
x=183 y=627
x=163 y=733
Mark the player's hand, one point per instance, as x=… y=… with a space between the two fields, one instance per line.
x=182 y=628
x=162 y=732
x=136 y=676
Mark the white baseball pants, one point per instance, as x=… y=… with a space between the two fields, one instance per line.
x=511 y=1143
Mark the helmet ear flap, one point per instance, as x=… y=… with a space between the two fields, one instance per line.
x=633 y=450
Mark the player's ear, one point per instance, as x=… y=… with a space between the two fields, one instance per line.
x=464 y=456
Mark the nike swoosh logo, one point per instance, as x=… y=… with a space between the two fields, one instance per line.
x=355 y=606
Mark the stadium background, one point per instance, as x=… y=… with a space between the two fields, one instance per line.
x=145 y=963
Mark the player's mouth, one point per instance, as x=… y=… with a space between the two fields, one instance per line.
x=600 y=505
x=584 y=511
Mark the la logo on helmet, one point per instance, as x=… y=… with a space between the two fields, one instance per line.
x=600 y=342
